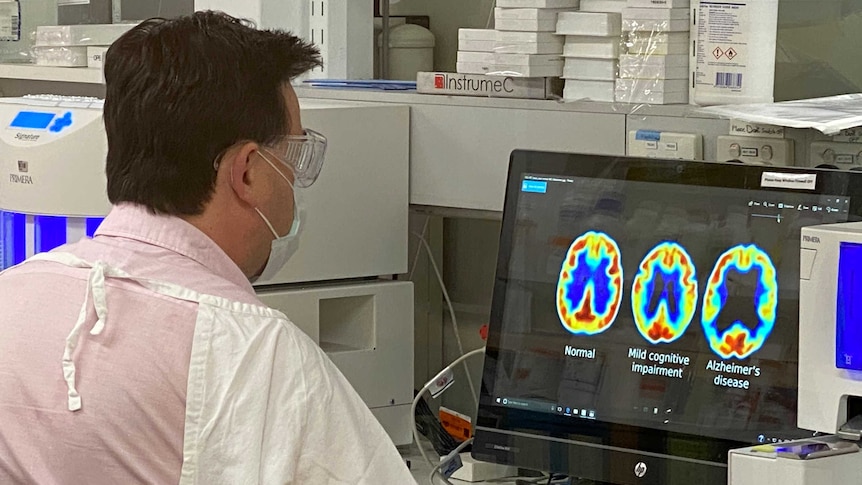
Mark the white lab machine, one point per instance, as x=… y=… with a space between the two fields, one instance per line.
x=830 y=369
x=338 y=286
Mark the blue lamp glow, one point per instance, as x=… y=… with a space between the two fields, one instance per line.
x=848 y=331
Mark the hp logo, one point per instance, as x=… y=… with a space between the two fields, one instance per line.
x=640 y=469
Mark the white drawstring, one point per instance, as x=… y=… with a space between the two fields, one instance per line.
x=96 y=285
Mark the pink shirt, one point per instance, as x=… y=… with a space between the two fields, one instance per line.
x=132 y=377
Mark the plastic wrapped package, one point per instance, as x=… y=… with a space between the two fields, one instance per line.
x=652 y=91
x=61 y=56
x=80 y=35
x=662 y=44
x=655 y=65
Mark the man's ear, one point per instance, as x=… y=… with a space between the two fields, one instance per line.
x=237 y=165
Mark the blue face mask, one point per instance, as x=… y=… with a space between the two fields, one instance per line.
x=282 y=247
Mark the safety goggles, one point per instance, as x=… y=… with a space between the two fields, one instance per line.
x=303 y=154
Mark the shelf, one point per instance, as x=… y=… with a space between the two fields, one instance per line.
x=83 y=75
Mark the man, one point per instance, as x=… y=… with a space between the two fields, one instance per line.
x=143 y=355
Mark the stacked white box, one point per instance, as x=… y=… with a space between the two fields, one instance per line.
x=591 y=50
x=655 y=66
x=476 y=40
x=613 y=6
x=525 y=40
x=475 y=51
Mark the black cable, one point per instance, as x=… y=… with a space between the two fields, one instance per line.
x=430 y=427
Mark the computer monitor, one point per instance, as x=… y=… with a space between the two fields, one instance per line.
x=645 y=313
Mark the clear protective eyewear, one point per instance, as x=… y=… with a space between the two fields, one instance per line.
x=303 y=154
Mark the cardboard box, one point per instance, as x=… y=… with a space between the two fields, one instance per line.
x=476 y=45
x=527 y=37
x=659 y=3
x=451 y=84
x=538 y=3
x=528 y=13
x=615 y=6
x=473 y=68
x=476 y=34
x=475 y=57
x=591 y=47
x=555 y=48
x=576 y=89
x=546 y=25
x=96 y=56
x=656 y=14
x=590 y=69
x=589 y=23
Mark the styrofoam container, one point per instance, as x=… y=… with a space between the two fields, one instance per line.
x=528 y=13
x=590 y=69
x=473 y=68
x=591 y=47
x=529 y=48
x=477 y=34
x=659 y=3
x=615 y=6
x=651 y=98
x=652 y=85
x=467 y=57
x=527 y=37
x=653 y=25
x=80 y=35
x=656 y=13
x=547 y=25
x=476 y=45
x=589 y=23
x=538 y=3
x=577 y=89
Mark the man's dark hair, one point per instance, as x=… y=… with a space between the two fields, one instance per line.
x=182 y=91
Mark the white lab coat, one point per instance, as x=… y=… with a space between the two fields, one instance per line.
x=264 y=404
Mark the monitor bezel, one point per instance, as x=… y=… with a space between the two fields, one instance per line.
x=500 y=431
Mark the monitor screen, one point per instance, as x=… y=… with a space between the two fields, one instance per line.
x=645 y=313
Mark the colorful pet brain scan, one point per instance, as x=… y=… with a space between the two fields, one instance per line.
x=664 y=293
x=740 y=339
x=590 y=286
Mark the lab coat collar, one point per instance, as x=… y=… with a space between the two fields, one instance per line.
x=133 y=221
